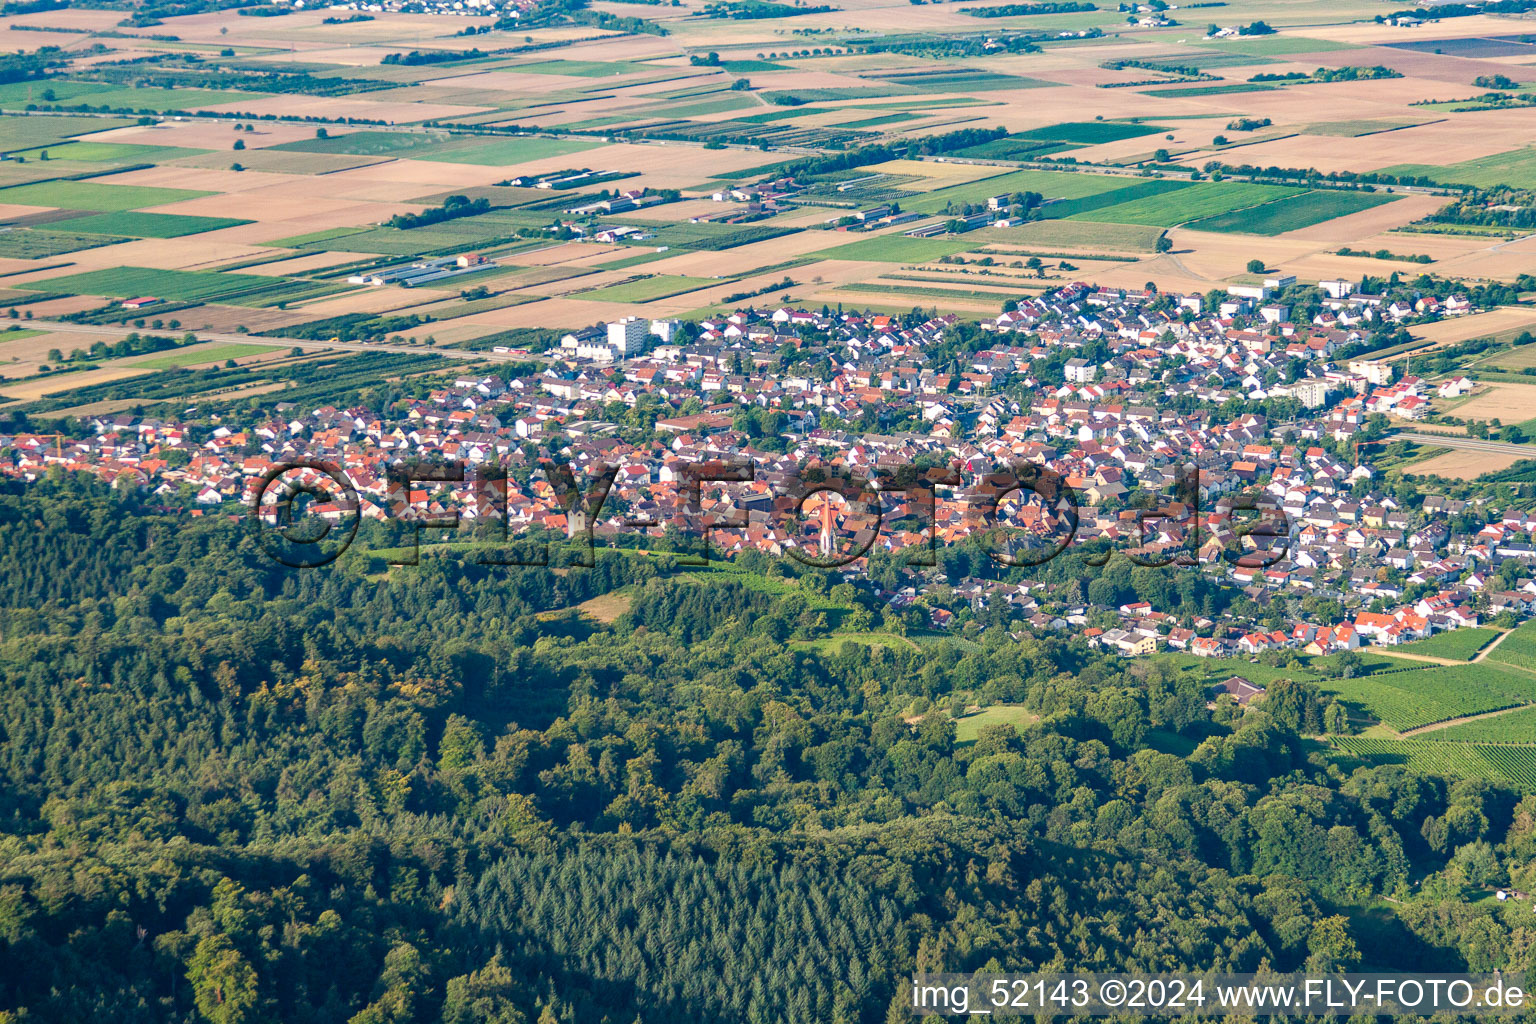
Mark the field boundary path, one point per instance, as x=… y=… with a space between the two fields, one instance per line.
x=1436 y=726
x=1428 y=659
x=1490 y=648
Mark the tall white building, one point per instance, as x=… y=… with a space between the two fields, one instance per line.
x=627 y=336
x=666 y=330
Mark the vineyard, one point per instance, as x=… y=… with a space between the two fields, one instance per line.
x=1514 y=727
x=1457 y=644
x=1515 y=764
x=1419 y=697
x=1518 y=649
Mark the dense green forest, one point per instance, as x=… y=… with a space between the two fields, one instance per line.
x=231 y=791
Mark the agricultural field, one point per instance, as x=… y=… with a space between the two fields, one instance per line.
x=1198 y=91
x=1199 y=201
x=367 y=137
x=1414 y=698
x=1510 y=403
x=1068 y=209
x=503 y=152
x=1030 y=144
x=897 y=249
x=150 y=225
x=1050 y=184
x=93 y=195
x=128 y=282
x=1516 y=168
x=1293 y=212
x=1456 y=644
x=40 y=243
x=196 y=355
x=20 y=134
x=371 y=143
x=1518 y=649
x=1513 y=358
x=1276 y=45
x=1072 y=234
x=1514 y=764
x=1517 y=726
x=647 y=289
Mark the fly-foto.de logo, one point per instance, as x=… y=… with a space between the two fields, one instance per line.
x=306 y=513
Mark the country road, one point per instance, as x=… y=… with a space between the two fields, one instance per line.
x=308 y=344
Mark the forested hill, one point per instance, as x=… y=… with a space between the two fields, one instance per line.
x=236 y=792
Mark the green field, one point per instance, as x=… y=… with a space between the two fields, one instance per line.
x=1056 y=137
x=111 y=153
x=897 y=249
x=1075 y=233
x=968 y=727
x=1143 y=189
x=94 y=195
x=1355 y=129
x=504 y=152
x=101 y=94
x=194 y=354
x=128 y=282
x=624 y=262
x=579 y=68
x=959 y=80
x=1293 y=212
x=1207 y=199
x=738 y=66
x=1518 y=649
x=698 y=107
x=1514 y=358
x=1419 y=697
x=147 y=98
x=465 y=231
x=366 y=143
x=1516 y=168
x=1277 y=45
x=782 y=115
x=1457 y=644
x=1050 y=184
x=326 y=235
x=877 y=122
x=1512 y=727
x=29 y=132
x=16 y=94
x=38 y=243
x=151 y=225
x=1206 y=90
x=712 y=236
x=647 y=289
x=1207 y=61
x=1515 y=764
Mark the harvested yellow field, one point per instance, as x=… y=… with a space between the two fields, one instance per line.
x=1510 y=403
x=1506 y=320
x=1462 y=465
x=23 y=356
x=30 y=390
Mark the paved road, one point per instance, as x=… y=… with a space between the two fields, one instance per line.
x=1470 y=444
x=308 y=344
